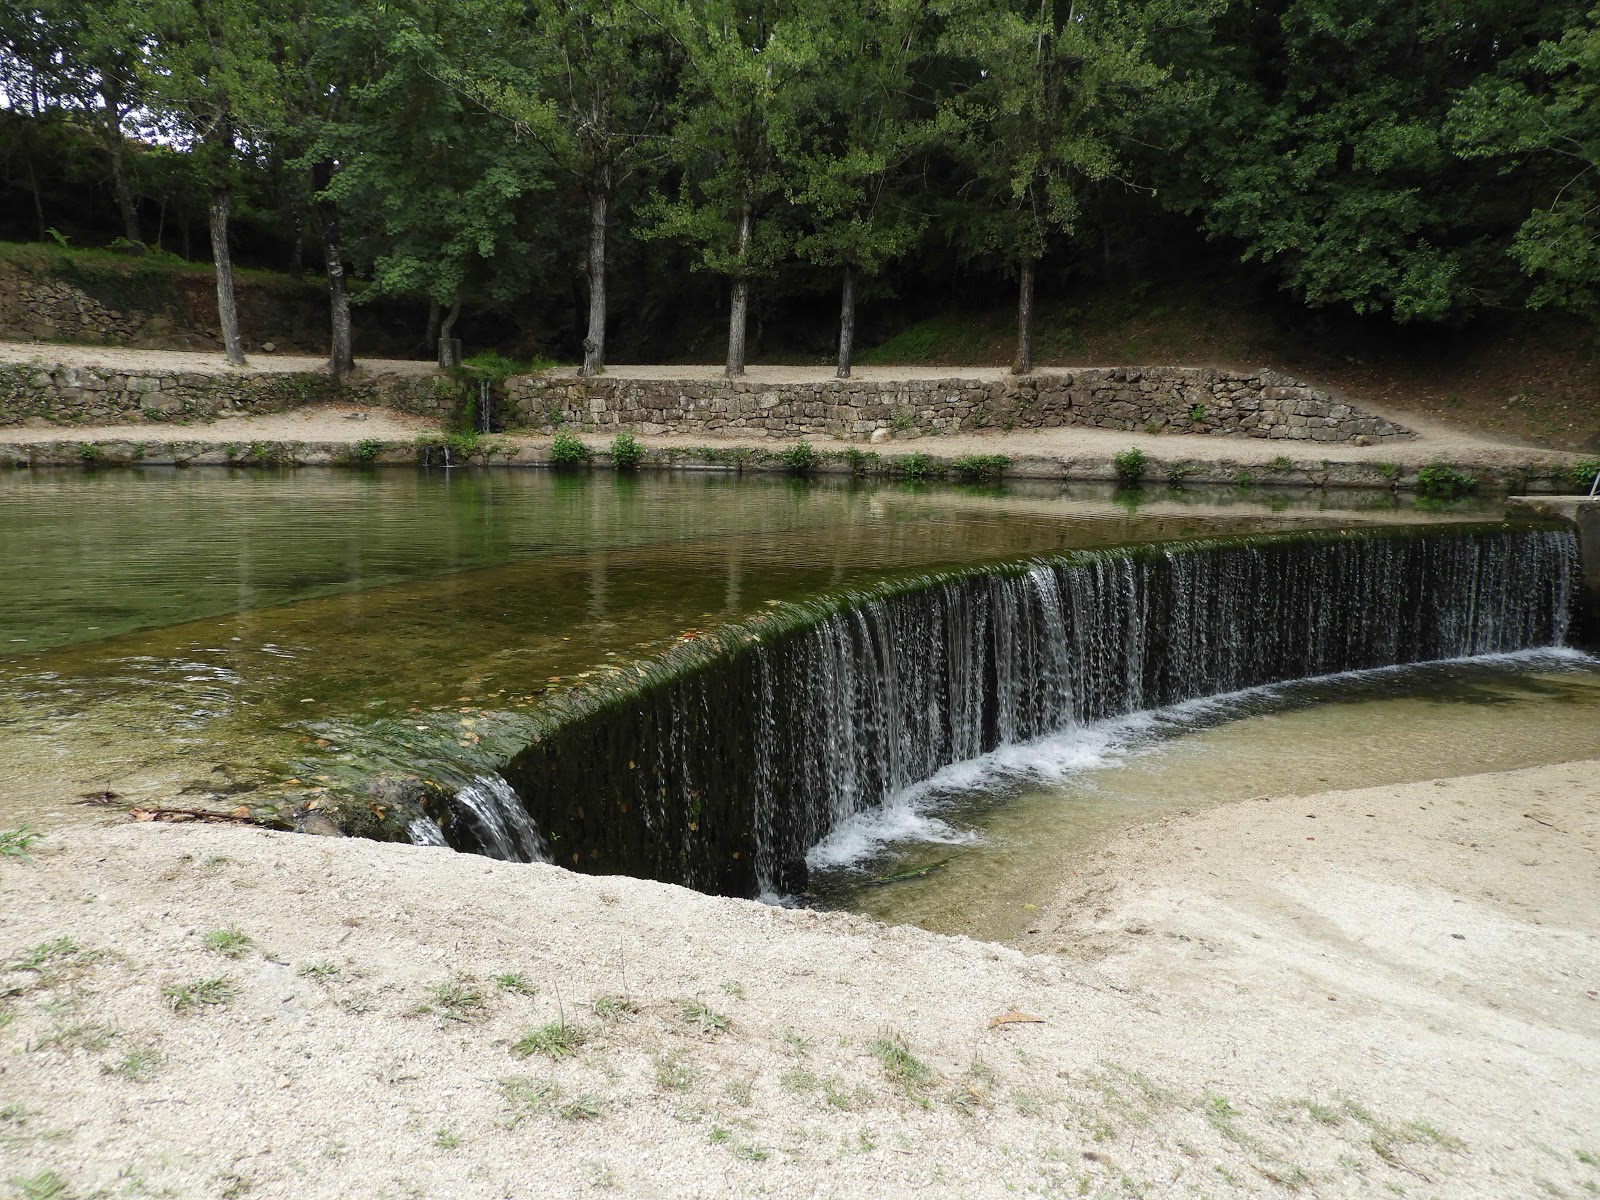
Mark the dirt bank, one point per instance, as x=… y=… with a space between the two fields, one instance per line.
x=1402 y=1005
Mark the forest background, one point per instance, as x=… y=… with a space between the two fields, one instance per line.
x=578 y=175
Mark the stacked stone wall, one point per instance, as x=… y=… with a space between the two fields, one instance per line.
x=1262 y=404
x=54 y=394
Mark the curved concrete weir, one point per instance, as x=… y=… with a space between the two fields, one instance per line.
x=724 y=762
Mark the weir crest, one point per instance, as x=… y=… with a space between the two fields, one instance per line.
x=720 y=775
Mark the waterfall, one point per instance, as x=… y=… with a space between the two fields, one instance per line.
x=721 y=775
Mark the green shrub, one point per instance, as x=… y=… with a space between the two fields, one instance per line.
x=366 y=449
x=982 y=466
x=916 y=466
x=1129 y=466
x=626 y=452
x=1197 y=413
x=1582 y=473
x=860 y=460
x=799 y=458
x=569 y=451
x=1440 y=481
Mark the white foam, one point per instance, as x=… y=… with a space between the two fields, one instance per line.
x=908 y=815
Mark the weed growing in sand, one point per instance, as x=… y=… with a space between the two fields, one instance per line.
x=800 y=1081
x=526 y=1097
x=516 y=984
x=672 y=1074
x=459 y=1000
x=14 y=843
x=447 y=1139
x=736 y=990
x=191 y=997
x=702 y=1017
x=320 y=972
x=233 y=943
x=904 y=1069
x=137 y=1065
x=1588 y=1159
x=46 y=1185
x=45 y=955
x=796 y=1045
x=1221 y=1116
x=84 y=1037
x=555 y=1040
x=614 y=1008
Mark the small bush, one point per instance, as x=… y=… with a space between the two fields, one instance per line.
x=1198 y=413
x=982 y=466
x=569 y=451
x=916 y=466
x=1582 y=473
x=1129 y=466
x=625 y=452
x=366 y=449
x=1443 y=482
x=799 y=458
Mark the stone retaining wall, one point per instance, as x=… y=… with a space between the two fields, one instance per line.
x=1152 y=399
x=56 y=394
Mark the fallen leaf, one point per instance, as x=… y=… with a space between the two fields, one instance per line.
x=1015 y=1018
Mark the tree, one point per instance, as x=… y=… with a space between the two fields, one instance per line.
x=852 y=121
x=209 y=76
x=1539 y=113
x=1321 y=148
x=1052 y=93
x=588 y=81
x=82 y=55
x=728 y=202
x=442 y=185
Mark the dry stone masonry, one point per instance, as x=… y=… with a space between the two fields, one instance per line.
x=49 y=394
x=1204 y=400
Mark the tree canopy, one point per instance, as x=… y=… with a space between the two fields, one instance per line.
x=1417 y=163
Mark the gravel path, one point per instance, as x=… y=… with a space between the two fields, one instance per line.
x=1400 y=1002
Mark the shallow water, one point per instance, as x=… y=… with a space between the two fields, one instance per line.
x=221 y=631
x=1003 y=833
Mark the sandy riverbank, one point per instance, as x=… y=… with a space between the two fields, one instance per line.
x=1394 y=994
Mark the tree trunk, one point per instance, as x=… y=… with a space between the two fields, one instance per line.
x=1024 y=363
x=341 y=357
x=38 y=201
x=227 y=309
x=297 y=244
x=847 y=324
x=449 y=348
x=430 y=335
x=739 y=303
x=119 y=167
x=594 y=345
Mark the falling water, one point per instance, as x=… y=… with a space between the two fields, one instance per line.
x=721 y=777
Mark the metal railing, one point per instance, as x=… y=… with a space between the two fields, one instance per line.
x=1594 y=488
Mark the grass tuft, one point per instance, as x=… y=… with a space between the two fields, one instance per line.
x=200 y=994
x=556 y=1040
x=233 y=943
x=702 y=1016
x=14 y=843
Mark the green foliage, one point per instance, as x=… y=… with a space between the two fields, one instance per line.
x=232 y=943
x=1440 y=481
x=1582 y=474
x=367 y=449
x=626 y=452
x=14 y=843
x=555 y=1040
x=497 y=367
x=982 y=466
x=200 y=994
x=916 y=467
x=1197 y=413
x=1129 y=466
x=568 y=450
x=800 y=458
